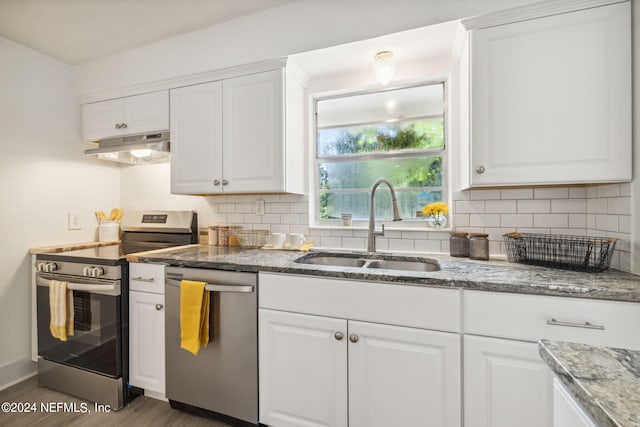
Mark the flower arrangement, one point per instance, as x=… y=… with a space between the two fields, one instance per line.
x=435 y=214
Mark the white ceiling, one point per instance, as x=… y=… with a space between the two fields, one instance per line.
x=76 y=31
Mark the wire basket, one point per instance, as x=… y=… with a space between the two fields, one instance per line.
x=579 y=253
x=252 y=238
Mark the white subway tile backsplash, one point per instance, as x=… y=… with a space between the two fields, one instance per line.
x=463 y=206
x=501 y=206
x=619 y=205
x=516 y=220
x=484 y=220
x=516 y=193
x=577 y=192
x=534 y=206
x=401 y=245
x=485 y=195
x=610 y=190
x=603 y=210
x=551 y=193
x=551 y=220
x=607 y=222
x=568 y=206
x=433 y=246
x=578 y=220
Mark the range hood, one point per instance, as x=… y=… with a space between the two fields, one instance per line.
x=135 y=149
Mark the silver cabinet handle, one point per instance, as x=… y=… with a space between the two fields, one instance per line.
x=118 y=126
x=123 y=126
x=159 y=306
x=143 y=279
x=216 y=182
x=225 y=182
x=353 y=338
x=480 y=169
x=339 y=335
x=586 y=325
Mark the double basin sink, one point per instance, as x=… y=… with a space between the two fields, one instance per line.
x=370 y=261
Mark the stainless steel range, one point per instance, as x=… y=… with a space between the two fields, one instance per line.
x=93 y=363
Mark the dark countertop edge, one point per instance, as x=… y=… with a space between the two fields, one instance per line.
x=394 y=278
x=589 y=403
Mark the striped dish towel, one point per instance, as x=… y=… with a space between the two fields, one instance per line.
x=61 y=308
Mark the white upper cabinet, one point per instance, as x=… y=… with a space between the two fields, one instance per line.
x=126 y=116
x=550 y=97
x=237 y=135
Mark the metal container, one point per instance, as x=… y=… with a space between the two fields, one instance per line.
x=478 y=246
x=459 y=244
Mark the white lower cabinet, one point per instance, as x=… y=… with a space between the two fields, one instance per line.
x=323 y=371
x=146 y=328
x=567 y=412
x=506 y=384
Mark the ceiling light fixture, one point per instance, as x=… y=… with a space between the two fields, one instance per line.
x=384 y=66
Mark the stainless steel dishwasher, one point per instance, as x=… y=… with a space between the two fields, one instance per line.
x=222 y=380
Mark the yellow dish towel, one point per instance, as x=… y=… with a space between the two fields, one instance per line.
x=61 y=309
x=194 y=316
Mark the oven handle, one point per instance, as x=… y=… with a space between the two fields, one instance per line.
x=214 y=287
x=98 y=289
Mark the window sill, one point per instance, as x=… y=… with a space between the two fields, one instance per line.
x=388 y=226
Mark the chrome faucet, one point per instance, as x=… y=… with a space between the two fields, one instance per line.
x=371 y=243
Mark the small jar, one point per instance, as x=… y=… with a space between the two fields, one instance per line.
x=478 y=246
x=213 y=235
x=223 y=235
x=234 y=240
x=459 y=244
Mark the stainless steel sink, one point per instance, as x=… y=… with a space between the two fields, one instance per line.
x=338 y=261
x=388 y=264
x=370 y=261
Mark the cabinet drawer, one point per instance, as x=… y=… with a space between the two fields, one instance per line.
x=534 y=317
x=146 y=277
x=404 y=305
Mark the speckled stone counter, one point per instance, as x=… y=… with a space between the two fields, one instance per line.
x=606 y=381
x=499 y=276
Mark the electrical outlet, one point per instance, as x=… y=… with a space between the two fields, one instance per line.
x=259 y=207
x=75 y=220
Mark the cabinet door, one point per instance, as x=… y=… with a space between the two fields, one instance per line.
x=196 y=139
x=506 y=384
x=567 y=412
x=99 y=119
x=303 y=370
x=146 y=341
x=403 y=376
x=253 y=124
x=551 y=99
x=146 y=113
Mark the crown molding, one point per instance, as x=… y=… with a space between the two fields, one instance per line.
x=533 y=11
x=188 y=80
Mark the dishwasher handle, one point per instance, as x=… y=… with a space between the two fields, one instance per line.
x=215 y=287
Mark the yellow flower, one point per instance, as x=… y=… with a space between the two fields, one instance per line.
x=434 y=209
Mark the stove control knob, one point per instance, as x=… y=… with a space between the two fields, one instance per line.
x=86 y=271
x=97 y=271
x=50 y=267
x=41 y=266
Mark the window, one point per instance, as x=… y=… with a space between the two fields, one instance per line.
x=396 y=134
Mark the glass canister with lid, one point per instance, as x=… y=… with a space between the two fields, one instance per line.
x=459 y=244
x=479 y=246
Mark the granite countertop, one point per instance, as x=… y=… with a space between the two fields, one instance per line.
x=606 y=381
x=493 y=275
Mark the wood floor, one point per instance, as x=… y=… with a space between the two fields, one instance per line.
x=143 y=411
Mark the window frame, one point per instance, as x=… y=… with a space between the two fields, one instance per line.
x=314 y=160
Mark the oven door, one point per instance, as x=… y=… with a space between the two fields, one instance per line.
x=97 y=341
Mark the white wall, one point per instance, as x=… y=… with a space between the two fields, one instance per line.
x=43 y=175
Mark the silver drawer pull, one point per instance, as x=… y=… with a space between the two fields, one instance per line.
x=143 y=279
x=586 y=325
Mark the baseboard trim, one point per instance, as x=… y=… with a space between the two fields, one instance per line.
x=15 y=372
